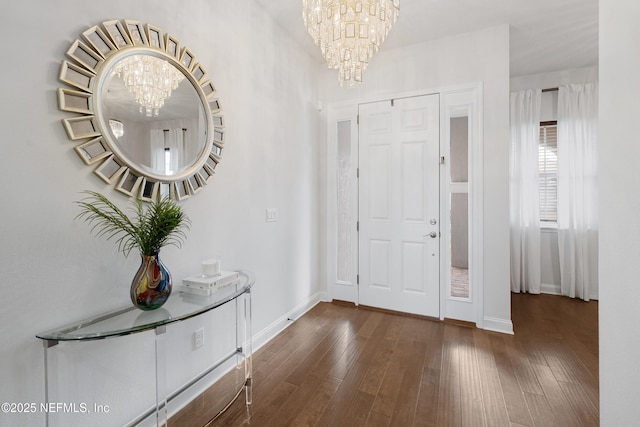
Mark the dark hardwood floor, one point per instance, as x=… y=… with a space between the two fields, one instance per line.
x=340 y=365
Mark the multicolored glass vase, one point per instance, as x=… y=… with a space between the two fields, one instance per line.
x=151 y=285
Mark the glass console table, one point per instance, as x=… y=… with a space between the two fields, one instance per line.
x=180 y=306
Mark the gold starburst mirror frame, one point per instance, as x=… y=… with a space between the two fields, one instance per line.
x=148 y=118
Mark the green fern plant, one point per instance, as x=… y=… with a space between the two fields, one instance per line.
x=162 y=223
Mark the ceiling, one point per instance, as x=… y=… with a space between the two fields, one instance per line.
x=546 y=35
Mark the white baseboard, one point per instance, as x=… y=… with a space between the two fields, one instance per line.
x=498 y=325
x=268 y=333
x=546 y=288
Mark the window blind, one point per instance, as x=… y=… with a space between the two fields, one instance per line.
x=548 y=171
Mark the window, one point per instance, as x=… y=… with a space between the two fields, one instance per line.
x=548 y=171
x=167 y=161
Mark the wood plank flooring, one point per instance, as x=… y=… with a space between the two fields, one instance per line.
x=345 y=366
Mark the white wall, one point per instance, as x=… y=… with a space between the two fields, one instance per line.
x=53 y=272
x=549 y=257
x=481 y=56
x=555 y=79
x=619 y=206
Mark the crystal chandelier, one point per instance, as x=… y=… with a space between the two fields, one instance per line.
x=349 y=32
x=149 y=79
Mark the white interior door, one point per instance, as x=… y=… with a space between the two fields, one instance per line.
x=399 y=253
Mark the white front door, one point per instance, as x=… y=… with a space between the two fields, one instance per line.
x=399 y=205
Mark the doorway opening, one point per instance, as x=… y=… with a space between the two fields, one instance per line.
x=361 y=262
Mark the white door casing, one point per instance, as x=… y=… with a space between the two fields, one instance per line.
x=399 y=207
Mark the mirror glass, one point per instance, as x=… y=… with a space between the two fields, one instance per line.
x=152 y=114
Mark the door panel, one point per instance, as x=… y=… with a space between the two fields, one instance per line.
x=413 y=276
x=399 y=205
x=380 y=270
x=379 y=177
x=413 y=182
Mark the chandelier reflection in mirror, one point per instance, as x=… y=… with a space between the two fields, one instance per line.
x=150 y=80
x=349 y=32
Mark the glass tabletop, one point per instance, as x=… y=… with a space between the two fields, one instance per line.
x=130 y=320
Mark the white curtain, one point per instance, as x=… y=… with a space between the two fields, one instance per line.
x=157 y=150
x=577 y=190
x=524 y=191
x=161 y=140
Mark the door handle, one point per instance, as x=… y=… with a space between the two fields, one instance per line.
x=433 y=235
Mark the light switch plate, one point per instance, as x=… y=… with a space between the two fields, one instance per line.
x=272 y=214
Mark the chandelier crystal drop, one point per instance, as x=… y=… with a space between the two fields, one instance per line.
x=349 y=32
x=149 y=79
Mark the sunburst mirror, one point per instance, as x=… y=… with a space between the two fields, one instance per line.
x=148 y=118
